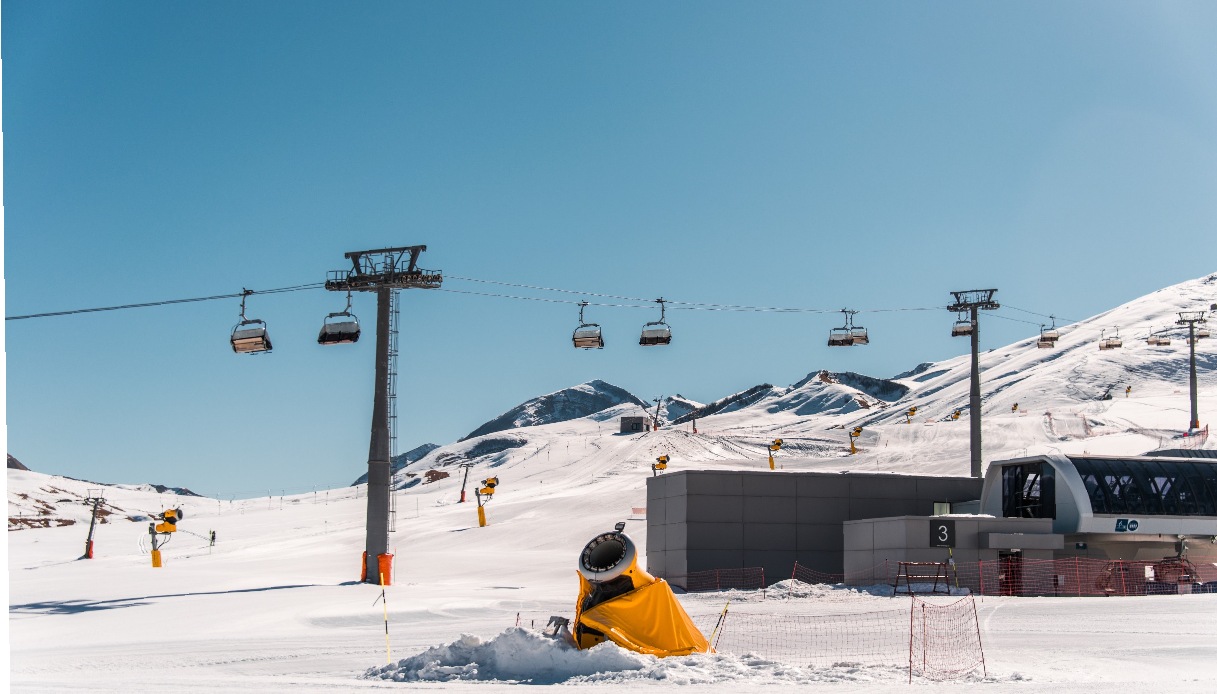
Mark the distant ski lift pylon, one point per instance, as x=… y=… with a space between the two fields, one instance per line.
x=587 y=335
x=249 y=336
x=656 y=332
x=339 y=328
x=848 y=335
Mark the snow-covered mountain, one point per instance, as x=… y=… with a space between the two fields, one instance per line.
x=1058 y=391
x=560 y=406
x=402 y=460
x=676 y=406
x=731 y=403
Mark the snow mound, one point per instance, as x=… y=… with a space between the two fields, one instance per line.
x=517 y=654
x=522 y=655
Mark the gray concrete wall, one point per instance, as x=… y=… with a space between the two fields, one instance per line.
x=699 y=520
x=874 y=545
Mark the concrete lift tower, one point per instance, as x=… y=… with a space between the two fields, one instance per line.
x=1191 y=319
x=970 y=302
x=382 y=271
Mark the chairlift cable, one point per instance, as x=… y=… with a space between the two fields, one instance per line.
x=167 y=302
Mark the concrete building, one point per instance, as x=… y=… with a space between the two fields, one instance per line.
x=630 y=425
x=1115 y=509
x=700 y=520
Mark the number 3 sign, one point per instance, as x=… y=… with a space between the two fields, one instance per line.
x=942 y=533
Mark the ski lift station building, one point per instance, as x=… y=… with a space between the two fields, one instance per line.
x=1136 y=508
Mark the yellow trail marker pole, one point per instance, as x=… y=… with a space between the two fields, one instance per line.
x=388 y=653
x=721 y=618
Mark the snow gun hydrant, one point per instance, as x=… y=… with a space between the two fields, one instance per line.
x=622 y=603
x=167 y=526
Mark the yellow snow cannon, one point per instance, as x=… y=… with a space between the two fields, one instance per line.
x=624 y=604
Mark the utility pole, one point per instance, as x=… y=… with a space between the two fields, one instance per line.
x=381 y=271
x=970 y=302
x=658 y=401
x=96 y=498
x=1190 y=319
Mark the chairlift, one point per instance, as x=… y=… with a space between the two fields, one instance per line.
x=1050 y=334
x=587 y=335
x=249 y=336
x=1202 y=333
x=656 y=332
x=1048 y=337
x=339 y=328
x=848 y=335
x=1106 y=343
x=963 y=328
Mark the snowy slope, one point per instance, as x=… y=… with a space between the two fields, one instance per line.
x=275 y=606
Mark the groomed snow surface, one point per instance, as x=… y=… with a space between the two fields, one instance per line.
x=275 y=605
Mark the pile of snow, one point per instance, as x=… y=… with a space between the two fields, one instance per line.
x=521 y=655
x=517 y=655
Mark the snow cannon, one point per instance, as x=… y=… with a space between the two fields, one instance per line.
x=620 y=602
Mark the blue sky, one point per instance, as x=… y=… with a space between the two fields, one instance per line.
x=793 y=154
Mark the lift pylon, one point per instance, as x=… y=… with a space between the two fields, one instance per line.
x=381 y=271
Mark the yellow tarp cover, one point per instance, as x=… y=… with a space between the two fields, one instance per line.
x=647 y=620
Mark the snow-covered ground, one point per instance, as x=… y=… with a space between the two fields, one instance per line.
x=275 y=604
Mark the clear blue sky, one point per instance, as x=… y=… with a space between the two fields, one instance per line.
x=797 y=154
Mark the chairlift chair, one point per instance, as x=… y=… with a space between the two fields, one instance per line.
x=1048 y=337
x=339 y=328
x=848 y=335
x=587 y=335
x=249 y=336
x=656 y=332
x=963 y=328
x=1202 y=333
x=1050 y=334
x=1106 y=343
x=840 y=337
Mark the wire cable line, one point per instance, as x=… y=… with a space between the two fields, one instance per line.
x=167 y=302
x=613 y=301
